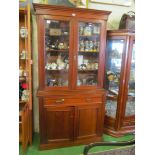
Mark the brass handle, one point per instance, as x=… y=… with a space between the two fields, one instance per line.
x=60 y=101
x=74 y=57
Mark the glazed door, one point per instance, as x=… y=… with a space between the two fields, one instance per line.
x=89 y=121
x=89 y=50
x=130 y=104
x=114 y=68
x=55 y=52
x=59 y=124
x=129 y=98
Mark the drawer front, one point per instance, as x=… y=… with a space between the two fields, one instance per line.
x=71 y=101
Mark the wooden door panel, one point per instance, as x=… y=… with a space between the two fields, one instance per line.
x=59 y=123
x=88 y=121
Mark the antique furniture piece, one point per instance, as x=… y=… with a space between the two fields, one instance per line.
x=120 y=82
x=25 y=77
x=71 y=48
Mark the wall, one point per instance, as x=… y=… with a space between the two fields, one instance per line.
x=115 y=16
x=113 y=23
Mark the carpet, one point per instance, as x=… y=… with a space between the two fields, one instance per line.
x=130 y=150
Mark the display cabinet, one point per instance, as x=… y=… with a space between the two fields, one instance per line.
x=71 y=52
x=120 y=82
x=25 y=77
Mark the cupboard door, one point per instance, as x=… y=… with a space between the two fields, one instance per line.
x=88 y=53
x=130 y=103
x=56 y=35
x=114 y=57
x=89 y=121
x=59 y=124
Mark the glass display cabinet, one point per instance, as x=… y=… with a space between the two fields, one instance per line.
x=120 y=82
x=25 y=76
x=71 y=43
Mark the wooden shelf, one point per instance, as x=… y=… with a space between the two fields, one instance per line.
x=22 y=59
x=22 y=78
x=62 y=35
x=112 y=97
x=93 y=35
x=83 y=52
x=54 y=50
x=90 y=70
x=21 y=102
x=57 y=70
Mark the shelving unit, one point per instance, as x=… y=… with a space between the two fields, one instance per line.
x=120 y=83
x=25 y=76
x=71 y=91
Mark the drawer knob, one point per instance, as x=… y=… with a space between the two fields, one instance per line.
x=60 y=101
x=73 y=14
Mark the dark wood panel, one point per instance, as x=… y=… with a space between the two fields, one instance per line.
x=88 y=121
x=59 y=124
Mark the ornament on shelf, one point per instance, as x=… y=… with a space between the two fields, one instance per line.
x=96 y=29
x=60 y=63
x=91 y=45
x=25 y=95
x=86 y=45
x=21 y=70
x=23 y=32
x=81 y=29
x=23 y=54
x=61 y=46
x=88 y=31
x=81 y=45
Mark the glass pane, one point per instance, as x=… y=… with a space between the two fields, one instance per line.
x=130 y=105
x=113 y=70
x=88 y=53
x=56 y=53
x=111 y=107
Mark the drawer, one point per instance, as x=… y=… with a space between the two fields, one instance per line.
x=72 y=101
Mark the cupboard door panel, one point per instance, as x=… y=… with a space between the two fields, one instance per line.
x=115 y=49
x=130 y=103
x=59 y=124
x=88 y=121
x=56 y=52
x=88 y=53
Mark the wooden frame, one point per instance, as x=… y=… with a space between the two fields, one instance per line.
x=113 y=2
